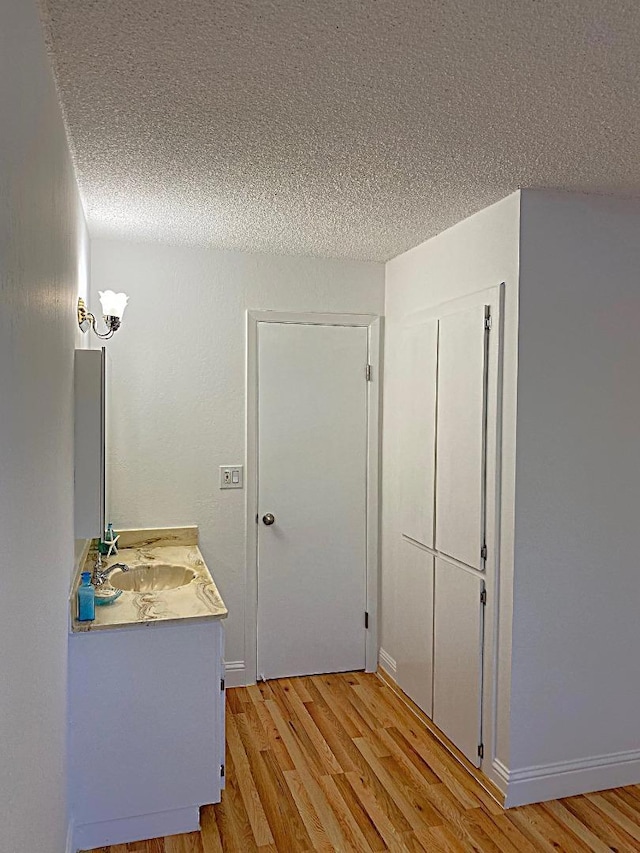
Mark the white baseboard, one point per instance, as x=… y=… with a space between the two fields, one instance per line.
x=387 y=662
x=235 y=674
x=569 y=778
x=139 y=828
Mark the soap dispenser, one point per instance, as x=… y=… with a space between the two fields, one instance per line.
x=86 y=599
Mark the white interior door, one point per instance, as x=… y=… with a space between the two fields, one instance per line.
x=457 y=665
x=312 y=480
x=461 y=422
x=418 y=410
x=414 y=641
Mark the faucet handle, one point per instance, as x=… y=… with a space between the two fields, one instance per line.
x=97 y=578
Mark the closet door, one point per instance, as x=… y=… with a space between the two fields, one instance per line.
x=457 y=667
x=414 y=606
x=461 y=428
x=418 y=412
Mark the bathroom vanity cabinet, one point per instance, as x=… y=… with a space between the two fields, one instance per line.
x=146 y=737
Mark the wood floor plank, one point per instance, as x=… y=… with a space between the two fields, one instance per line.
x=354 y=724
x=400 y=747
x=558 y=832
x=341 y=763
x=489 y=828
x=558 y=808
x=615 y=815
x=356 y=827
x=442 y=838
x=253 y=805
x=239 y=822
x=300 y=685
x=298 y=720
x=304 y=769
x=211 y=840
x=190 y=843
x=413 y=789
x=317 y=833
x=296 y=835
x=613 y=835
x=379 y=813
x=627 y=805
x=523 y=820
x=280 y=810
x=274 y=738
x=416 y=816
x=505 y=829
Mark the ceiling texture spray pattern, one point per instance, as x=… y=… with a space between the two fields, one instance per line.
x=347 y=128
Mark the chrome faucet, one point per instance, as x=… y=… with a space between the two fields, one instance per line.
x=101 y=575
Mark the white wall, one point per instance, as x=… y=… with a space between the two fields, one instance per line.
x=576 y=641
x=478 y=253
x=42 y=258
x=178 y=382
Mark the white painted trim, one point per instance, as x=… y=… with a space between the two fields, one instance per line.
x=386 y=662
x=374 y=325
x=499 y=774
x=138 y=828
x=69 y=847
x=235 y=673
x=374 y=461
x=569 y=778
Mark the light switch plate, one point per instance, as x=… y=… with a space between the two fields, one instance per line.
x=231 y=477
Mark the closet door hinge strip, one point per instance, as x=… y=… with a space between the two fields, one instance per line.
x=368 y=372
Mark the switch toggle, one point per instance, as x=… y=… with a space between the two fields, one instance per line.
x=231 y=476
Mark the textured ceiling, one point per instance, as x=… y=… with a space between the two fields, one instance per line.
x=350 y=128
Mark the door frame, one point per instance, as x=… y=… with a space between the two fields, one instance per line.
x=373 y=324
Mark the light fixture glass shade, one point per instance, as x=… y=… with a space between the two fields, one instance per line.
x=113 y=304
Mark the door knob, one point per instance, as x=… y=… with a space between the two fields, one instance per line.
x=268 y=518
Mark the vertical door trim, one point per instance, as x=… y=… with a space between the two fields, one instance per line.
x=373 y=324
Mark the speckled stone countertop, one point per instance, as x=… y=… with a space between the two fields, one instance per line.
x=198 y=600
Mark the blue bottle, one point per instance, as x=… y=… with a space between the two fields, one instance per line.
x=86 y=599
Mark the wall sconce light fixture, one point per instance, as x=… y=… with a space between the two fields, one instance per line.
x=113 y=305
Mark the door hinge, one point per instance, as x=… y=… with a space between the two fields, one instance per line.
x=366 y=620
x=480 y=750
x=222 y=770
x=483 y=596
x=222 y=684
x=488 y=322
x=484 y=552
x=368 y=373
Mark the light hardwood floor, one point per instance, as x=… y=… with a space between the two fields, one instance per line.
x=340 y=763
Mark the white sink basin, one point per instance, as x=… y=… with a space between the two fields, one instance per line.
x=152 y=578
